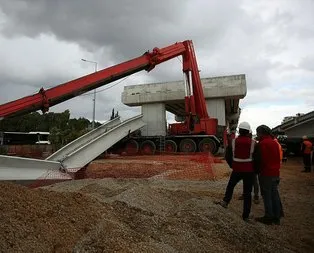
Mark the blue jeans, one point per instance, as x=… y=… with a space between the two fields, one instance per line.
x=271 y=198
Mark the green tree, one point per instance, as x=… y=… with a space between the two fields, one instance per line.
x=62 y=129
x=112 y=114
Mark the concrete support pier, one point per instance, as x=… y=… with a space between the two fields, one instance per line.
x=154 y=115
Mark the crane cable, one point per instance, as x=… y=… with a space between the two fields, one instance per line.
x=107 y=88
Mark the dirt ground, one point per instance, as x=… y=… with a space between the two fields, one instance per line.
x=152 y=204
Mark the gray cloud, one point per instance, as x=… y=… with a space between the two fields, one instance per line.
x=307 y=63
x=97 y=23
x=127 y=27
x=43 y=41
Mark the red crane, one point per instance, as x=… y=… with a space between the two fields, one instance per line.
x=196 y=121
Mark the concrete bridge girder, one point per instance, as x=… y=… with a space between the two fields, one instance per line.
x=298 y=126
x=299 y=130
x=222 y=99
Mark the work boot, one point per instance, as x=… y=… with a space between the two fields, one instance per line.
x=248 y=220
x=256 y=200
x=221 y=203
x=265 y=220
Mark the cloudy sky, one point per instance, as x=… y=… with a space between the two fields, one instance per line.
x=270 y=41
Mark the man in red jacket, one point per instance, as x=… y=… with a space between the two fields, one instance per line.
x=240 y=156
x=267 y=162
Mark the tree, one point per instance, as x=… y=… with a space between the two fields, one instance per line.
x=62 y=129
x=112 y=114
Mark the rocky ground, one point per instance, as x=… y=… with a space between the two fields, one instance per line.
x=167 y=210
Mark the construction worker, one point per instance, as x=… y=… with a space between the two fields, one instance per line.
x=255 y=185
x=241 y=160
x=306 y=150
x=267 y=162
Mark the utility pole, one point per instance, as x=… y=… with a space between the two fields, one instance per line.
x=94 y=99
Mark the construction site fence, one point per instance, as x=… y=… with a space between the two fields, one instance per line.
x=167 y=166
x=39 y=151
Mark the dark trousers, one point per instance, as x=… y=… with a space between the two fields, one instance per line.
x=255 y=186
x=271 y=198
x=307 y=162
x=248 y=180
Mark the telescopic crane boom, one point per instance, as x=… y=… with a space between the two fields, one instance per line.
x=197 y=119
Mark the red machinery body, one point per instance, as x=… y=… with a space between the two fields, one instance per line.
x=196 y=121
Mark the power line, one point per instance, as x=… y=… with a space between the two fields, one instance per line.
x=107 y=88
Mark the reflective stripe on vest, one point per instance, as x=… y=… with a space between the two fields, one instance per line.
x=250 y=159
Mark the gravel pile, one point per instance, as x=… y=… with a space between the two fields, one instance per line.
x=148 y=215
x=44 y=221
x=122 y=216
x=188 y=224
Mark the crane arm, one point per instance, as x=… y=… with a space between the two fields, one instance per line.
x=194 y=100
x=58 y=94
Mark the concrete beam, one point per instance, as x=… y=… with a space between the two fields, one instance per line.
x=20 y=168
x=299 y=126
x=304 y=128
x=173 y=92
x=71 y=147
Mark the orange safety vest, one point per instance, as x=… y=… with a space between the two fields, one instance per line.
x=308 y=147
x=280 y=149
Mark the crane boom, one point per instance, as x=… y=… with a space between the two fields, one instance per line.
x=53 y=96
x=196 y=118
x=197 y=124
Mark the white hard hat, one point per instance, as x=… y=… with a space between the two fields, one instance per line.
x=245 y=125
